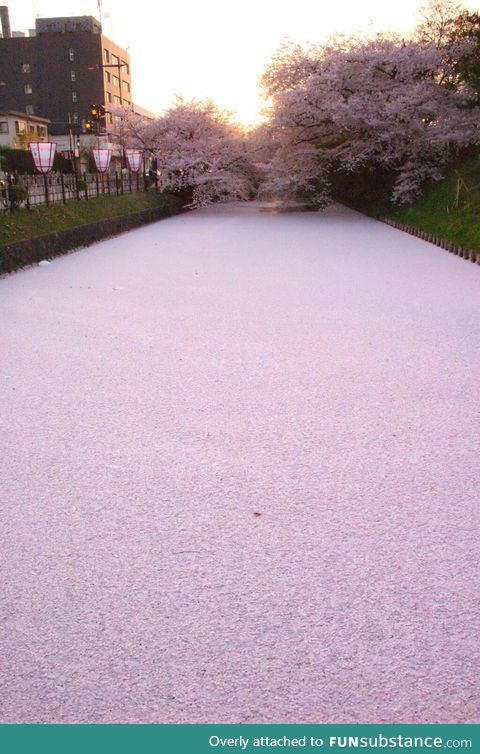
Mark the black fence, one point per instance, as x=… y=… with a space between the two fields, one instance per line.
x=63 y=187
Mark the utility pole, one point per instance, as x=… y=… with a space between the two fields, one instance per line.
x=71 y=141
x=72 y=153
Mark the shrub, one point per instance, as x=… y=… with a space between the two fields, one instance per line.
x=16 y=195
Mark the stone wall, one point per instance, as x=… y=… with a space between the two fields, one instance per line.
x=32 y=250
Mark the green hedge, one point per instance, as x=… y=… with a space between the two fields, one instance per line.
x=21 y=161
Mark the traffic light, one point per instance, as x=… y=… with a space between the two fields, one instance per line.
x=89 y=126
x=97 y=111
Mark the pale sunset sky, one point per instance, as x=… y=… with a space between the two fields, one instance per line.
x=216 y=48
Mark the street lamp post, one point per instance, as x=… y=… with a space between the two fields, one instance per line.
x=43 y=153
x=73 y=155
x=134 y=157
x=119 y=67
x=102 y=159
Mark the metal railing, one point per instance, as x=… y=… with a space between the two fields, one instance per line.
x=63 y=187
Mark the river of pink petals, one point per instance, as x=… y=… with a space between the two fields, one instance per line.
x=240 y=476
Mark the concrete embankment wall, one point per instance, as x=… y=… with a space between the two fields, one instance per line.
x=32 y=250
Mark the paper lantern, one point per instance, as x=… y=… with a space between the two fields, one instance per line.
x=43 y=153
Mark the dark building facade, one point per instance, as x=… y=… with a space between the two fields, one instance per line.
x=60 y=70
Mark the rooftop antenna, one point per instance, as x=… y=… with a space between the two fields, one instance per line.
x=99 y=3
x=109 y=16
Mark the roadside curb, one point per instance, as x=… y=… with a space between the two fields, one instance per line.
x=461 y=251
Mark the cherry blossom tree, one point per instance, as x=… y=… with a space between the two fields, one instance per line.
x=291 y=170
x=198 y=150
x=356 y=103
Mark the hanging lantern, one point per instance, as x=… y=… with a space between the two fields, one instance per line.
x=102 y=159
x=134 y=157
x=43 y=153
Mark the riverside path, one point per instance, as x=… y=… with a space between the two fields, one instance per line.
x=239 y=476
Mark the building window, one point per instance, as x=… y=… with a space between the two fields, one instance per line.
x=73 y=76
x=31 y=129
x=110 y=118
x=117 y=100
x=115 y=60
x=106 y=56
x=126 y=86
x=41 y=131
x=27 y=88
x=108 y=78
x=3 y=126
x=126 y=103
x=26 y=68
x=116 y=81
x=29 y=109
x=71 y=54
x=109 y=96
x=74 y=97
x=126 y=67
x=75 y=117
x=19 y=127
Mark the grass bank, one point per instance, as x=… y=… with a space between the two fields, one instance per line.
x=450 y=209
x=26 y=224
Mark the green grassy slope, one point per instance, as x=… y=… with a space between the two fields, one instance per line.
x=16 y=226
x=450 y=208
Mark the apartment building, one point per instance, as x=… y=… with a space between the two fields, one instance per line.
x=18 y=129
x=63 y=66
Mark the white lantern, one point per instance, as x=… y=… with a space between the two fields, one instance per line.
x=43 y=153
x=134 y=157
x=102 y=159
